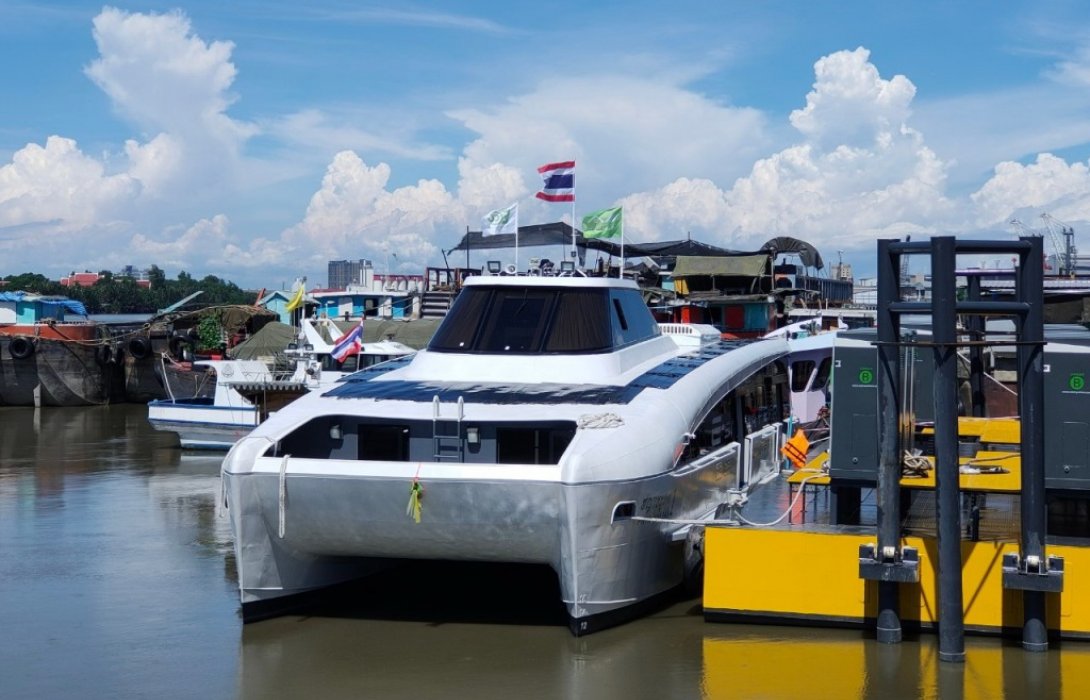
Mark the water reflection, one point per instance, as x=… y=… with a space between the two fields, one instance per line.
x=655 y=657
x=117 y=580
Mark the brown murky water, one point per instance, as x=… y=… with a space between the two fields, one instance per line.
x=117 y=581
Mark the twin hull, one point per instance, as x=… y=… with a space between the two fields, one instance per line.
x=603 y=561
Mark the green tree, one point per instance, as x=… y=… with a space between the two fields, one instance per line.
x=124 y=296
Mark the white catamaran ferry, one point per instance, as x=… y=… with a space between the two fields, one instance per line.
x=550 y=420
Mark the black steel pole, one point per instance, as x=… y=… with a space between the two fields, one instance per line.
x=1031 y=404
x=889 y=437
x=948 y=502
x=975 y=326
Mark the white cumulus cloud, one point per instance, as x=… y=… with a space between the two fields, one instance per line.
x=1048 y=183
x=859 y=171
x=60 y=186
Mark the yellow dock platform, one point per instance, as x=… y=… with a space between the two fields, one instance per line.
x=791 y=575
x=808 y=572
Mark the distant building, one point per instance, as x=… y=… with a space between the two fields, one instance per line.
x=277 y=301
x=386 y=296
x=81 y=279
x=343 y=273
x=90 y=279
x=842 y=271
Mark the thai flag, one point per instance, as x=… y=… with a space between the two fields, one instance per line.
x=559 y=182
x=348 y=344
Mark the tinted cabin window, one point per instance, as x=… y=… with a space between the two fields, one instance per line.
x=532 y=445
x=311 y=440
x=516 y=321
x=800 y=374
x=580 y=323
x=632 y=319
x=508 y=320
x=387 y=443
x=459 y=328
x=350 y=364
x=823 y=373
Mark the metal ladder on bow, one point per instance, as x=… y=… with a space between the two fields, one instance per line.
x=447 y=432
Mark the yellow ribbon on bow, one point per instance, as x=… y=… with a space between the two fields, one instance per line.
x=416 y=493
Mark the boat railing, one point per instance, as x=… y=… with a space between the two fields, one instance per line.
x=725 y=458
x=762 y=460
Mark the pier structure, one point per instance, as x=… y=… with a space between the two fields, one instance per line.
x=939 y=550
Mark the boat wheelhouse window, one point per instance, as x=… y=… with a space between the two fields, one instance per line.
x=522 y=320
x=459 y=327
x=620 y=314
x=800 y=374
x=580 y=323
x=536 y=445
x=824 y=372
x=516 y=321
x=632 y=319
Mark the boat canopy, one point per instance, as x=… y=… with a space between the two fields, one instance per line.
x=807 y=253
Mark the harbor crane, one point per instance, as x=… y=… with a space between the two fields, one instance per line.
x=1058 y=256
x=1067 y=255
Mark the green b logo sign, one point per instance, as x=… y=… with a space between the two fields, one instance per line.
x=866 y=376
x=1077 y=382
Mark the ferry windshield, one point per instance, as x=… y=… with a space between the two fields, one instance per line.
x=542 y=320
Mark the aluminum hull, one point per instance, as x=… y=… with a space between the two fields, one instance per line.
x=332 y=523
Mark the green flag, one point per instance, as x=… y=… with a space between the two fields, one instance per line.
x=603 y=224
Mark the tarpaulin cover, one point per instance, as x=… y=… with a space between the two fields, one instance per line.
x=72 y=305
x=560 y=233
x=753 y=265
x=270 y=341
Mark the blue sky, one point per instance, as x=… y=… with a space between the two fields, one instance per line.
x=257 y=140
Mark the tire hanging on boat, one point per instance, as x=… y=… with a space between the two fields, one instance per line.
x=139 y=348
x=103 y=354
x=21 y=347
x=178 y=344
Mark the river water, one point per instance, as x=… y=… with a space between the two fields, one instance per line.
x=117 y=581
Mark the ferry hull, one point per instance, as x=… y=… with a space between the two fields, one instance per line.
x=321 y=530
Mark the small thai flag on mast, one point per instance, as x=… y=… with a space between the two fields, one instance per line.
x=348 y=344
x=558 y=182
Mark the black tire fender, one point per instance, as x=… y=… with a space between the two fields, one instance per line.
x=177 y=345
x=139 y=348
x=21 y=347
